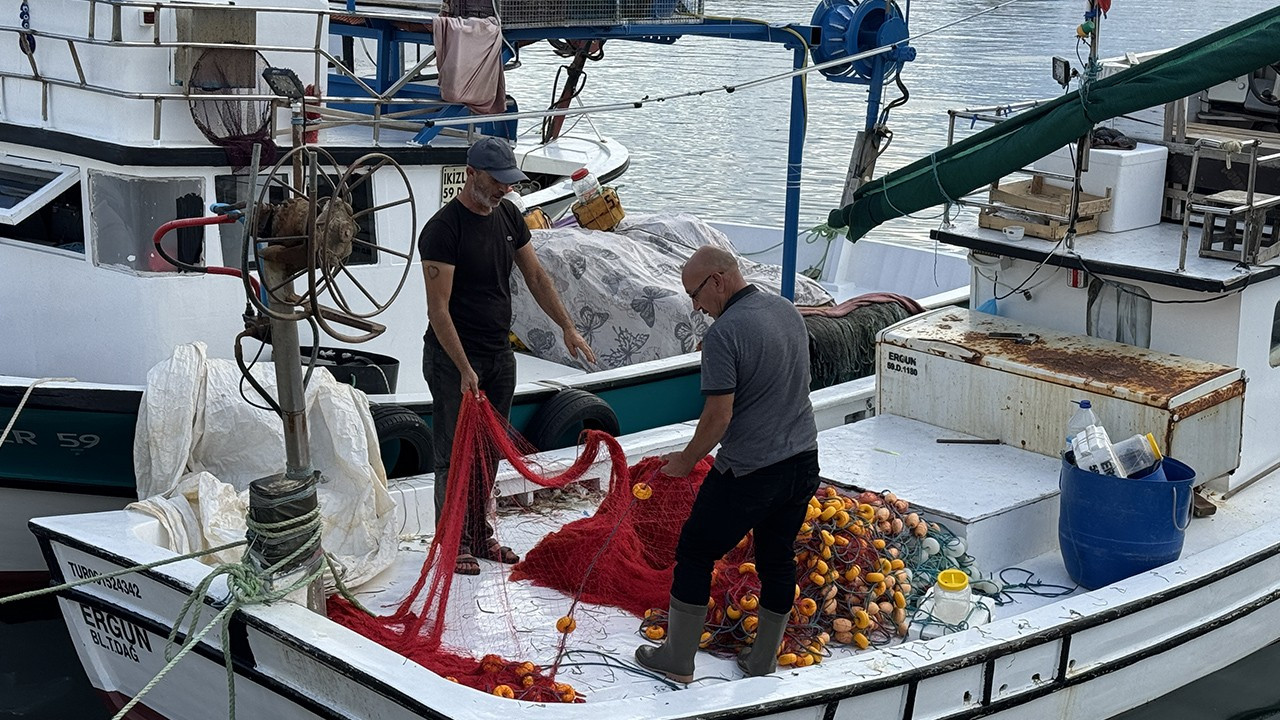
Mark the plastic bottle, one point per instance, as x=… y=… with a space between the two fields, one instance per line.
x=1136 y=454
x=952 y=599
x=585 y=185
x=1082 y=419
x=1094 y=453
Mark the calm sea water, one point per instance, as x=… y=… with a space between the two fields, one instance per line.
x=724 y=157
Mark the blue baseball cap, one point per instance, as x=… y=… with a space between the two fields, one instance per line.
x=493 y=155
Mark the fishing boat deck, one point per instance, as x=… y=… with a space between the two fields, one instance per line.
x=606 y=637
x=1148 y=254
x=1003 y=498
x=981 y=492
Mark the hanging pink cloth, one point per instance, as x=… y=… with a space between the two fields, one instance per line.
x=469 y=57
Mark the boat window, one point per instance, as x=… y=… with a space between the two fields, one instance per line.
x=1275 y=338
x=232 y=189
x=125 y=212
x=26 y=186
x=1119 y=312
x=40 y=204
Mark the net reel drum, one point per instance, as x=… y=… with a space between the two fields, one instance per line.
x=304 y=223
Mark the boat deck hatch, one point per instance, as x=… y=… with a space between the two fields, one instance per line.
x=984 y=493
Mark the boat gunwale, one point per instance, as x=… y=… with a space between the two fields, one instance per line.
x=961 y=237
x=124 y=399
x=989 y=649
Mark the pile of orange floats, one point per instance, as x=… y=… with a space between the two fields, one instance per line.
x=854 y=580
x=512 y=680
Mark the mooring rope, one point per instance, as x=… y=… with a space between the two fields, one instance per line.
x=246 y=585
x=25 y=396
x=117 y=573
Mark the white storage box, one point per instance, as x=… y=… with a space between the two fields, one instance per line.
x=946 y=369
x=1135 y=178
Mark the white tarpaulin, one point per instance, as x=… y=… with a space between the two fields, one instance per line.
x=623 y=289
x=199 y=444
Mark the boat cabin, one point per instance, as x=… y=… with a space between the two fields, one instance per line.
x=184 y=92
x=1151 y=264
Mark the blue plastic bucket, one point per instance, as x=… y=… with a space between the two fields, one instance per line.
x=1112 y=528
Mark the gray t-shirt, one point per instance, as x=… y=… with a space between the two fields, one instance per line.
x=758 y=349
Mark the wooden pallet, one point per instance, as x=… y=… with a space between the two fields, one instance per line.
x=1039 y=209
x=1044 y=228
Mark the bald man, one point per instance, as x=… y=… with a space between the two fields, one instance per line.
x=755 y=377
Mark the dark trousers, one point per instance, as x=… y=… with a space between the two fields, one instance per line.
x=772 y=502
x=497 y=373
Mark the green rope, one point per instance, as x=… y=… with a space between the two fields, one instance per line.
x=117 y=573
x=820 y=232
x=246 y=585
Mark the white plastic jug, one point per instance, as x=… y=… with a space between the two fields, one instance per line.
x=1094 y=453
x=952 y=599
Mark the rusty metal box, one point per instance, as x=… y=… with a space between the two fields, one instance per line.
x=994 y=378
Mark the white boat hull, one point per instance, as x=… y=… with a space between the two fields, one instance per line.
x=1093 y=656
x=1090 y=655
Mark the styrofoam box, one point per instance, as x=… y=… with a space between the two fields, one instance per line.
x=1136 y=179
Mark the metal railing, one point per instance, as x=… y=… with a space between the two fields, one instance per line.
x=567 y=13
x=387 y=110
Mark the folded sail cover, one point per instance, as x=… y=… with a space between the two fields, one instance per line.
x=1001 y=149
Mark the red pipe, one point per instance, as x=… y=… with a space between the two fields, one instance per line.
x=198 y=222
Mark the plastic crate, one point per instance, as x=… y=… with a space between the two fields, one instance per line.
x=602 y=212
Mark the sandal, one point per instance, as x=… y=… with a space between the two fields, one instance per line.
x=498 y=553
x=466 y=564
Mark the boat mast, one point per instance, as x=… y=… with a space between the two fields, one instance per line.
x=1089 y=29
x=309 y=237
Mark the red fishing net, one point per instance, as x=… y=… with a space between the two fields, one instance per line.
x=854 y=584
x=621 y=555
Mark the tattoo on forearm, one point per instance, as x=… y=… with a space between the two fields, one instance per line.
x=433 y=272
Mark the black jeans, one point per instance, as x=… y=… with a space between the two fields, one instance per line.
x=497 y=373
x=772 y=501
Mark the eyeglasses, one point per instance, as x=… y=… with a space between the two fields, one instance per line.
x=694 y=295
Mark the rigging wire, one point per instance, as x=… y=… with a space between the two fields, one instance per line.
x=647 y=100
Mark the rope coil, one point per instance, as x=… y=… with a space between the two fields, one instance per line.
x=246 y=585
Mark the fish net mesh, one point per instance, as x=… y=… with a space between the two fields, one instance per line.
x=231 y=123
x=854 y=586
x=561 y=13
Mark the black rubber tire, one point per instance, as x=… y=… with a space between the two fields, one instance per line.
x=404 y=441
x=559 y=421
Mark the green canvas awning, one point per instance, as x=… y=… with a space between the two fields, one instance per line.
x=1016 y=143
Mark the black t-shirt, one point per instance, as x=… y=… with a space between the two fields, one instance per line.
x=482 y=250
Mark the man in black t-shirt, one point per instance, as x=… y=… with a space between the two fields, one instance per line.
x=468 y=249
